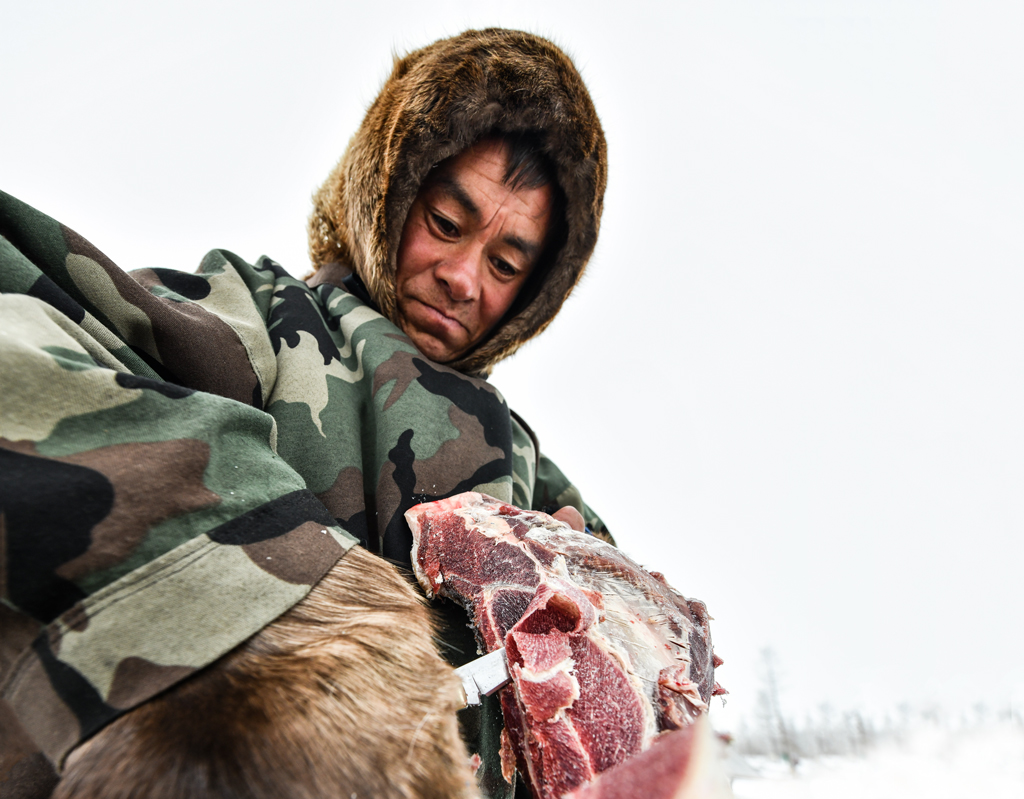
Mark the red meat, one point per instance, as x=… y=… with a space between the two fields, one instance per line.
x=603 y=654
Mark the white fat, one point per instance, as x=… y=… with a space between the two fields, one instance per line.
x=485 y=521
x=643 y=647
x=560 y=536
x=692 y=695
x=421 y=576
x=566 y=666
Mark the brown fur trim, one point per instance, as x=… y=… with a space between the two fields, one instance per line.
x=344 y=695
x=438 y=101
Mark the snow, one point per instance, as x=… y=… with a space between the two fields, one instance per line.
x=931 y=762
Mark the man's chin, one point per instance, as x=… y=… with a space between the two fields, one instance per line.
x=432 y=332
x=434 y=348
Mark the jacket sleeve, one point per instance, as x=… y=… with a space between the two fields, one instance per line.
x=204 y=331
x=125 y=494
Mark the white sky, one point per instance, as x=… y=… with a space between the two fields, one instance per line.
x=792 y=379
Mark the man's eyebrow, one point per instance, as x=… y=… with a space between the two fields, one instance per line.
x=453 y=189
x=529 y=249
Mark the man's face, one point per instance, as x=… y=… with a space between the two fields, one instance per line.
x=467 y=247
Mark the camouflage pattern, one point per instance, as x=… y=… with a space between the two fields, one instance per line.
x=182 y=456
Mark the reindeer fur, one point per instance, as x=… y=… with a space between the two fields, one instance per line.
x=342 y=696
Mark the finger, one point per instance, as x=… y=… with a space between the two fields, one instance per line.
x=571 y=517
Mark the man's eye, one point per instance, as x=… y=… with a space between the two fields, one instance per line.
x=447 y=227
x=505 y=268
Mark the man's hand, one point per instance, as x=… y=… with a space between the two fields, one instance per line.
x=571 y=517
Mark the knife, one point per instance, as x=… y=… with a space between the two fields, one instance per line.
x=484 y=676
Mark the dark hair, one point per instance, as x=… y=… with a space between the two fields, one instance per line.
x=528 y=164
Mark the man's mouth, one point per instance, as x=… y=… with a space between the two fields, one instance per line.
x=440 y=318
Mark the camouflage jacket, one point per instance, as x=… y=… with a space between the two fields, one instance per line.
x=182 y=456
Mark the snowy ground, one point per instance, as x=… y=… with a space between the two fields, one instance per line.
x=985 y=763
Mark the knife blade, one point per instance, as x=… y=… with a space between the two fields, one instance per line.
x=484 y=676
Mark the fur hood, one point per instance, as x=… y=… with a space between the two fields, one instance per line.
x=438 y=101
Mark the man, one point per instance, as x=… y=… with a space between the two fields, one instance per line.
x=187 y=460
x=474 y=235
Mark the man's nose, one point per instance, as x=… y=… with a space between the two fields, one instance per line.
x=461 y=274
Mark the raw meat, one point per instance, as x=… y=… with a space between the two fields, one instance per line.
x=603 y=654
x=681 y=764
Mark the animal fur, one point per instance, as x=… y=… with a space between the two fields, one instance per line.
x=342 y=696
x=438 y=101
